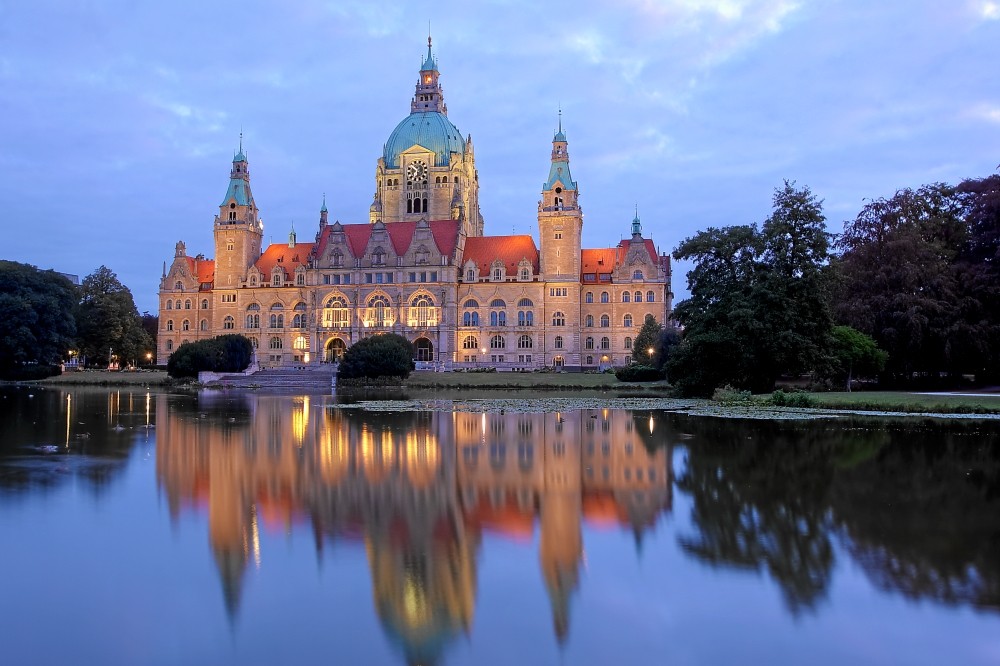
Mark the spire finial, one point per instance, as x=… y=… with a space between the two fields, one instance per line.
x=241 y=138
x=560 y=118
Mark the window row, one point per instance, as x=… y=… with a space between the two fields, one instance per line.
x=627 y=297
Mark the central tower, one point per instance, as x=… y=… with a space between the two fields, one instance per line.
x=427 y=169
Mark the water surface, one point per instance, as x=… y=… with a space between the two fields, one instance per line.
x=252 y=529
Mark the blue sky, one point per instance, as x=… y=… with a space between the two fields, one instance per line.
x=119 y=119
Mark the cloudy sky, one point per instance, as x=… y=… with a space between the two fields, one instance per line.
x=119 y=118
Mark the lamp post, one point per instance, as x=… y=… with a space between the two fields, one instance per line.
x=483 y=351
x=149 y=358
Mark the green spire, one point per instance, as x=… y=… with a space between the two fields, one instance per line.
x=560 y=135
x=636 y=225
x=323 y=209
x=429 y=64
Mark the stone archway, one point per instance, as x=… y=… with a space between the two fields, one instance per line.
x=423 y=350
x=335 y=348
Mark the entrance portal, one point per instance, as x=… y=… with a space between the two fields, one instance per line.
x=335 y=349
x=424 y=349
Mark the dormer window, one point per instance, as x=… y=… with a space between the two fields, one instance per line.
x=378 y=257
x=525 y=274
x=276 y=280
x=300 y=280
x=470 y=275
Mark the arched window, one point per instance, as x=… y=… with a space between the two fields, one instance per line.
x=498 y=303
x=421 y=310
x=638 y=297
x=335 y=312
x=605 y=321
x=628 y=343
x=605 y=342
x=170 y=305
x=300 y=343
x=276 y=280
x=204 y=325
x=605 y=297
x=228 y=323
x=558 y=319
x=470 y=319
x=337 y=258
x=187 y=304
x=590 y=360
x=178 y=286
x=525 y=273
x=275 y=343
x=637 y=275
x=471 y=303
x=588 y=297
x=524 y=342
x=470 y=342
x=380 y=310
x=204 y=304
x=177 y=305
x=254 y=342
x=588 y=343
x=525 y=303
x=589 y=321
x=559 y=342
x=498 y=342
x=626 y=296
x=299 y=320
x=493 y=318
x=497 y=274
x=650 y=297
x=185 y=325
x=170 y=324
x=470 y=275
x=378 y=256
x=300 y=280
x=253 y=280
x=253 y=316
x=627 y=321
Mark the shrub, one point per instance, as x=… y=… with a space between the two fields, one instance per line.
x=225 y=353
x=638 y=373
x=792 y=399
x=729 y=396
x=30 y=372
x=383 y=355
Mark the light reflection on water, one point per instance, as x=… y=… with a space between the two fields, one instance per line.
x=489 y=538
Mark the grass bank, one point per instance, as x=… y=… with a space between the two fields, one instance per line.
x=106 y=378
x=569 y=381
x=898 y=401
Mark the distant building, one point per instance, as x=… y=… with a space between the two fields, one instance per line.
x=420 y=266
x=75 y=279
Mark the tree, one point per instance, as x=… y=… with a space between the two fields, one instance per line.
x=384 y=355
x=855 y=352
x=760 y=300
x=108 y=321
x=36 y=317
x=151 y=324
x=224 y=353
x=645 y=348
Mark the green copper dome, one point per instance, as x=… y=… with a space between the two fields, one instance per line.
x=430 y=129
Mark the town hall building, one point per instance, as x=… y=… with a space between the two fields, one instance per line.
x=421 y=266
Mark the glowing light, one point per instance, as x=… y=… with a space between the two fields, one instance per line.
x=69 y=404
x=255 y=535
x=650 y=424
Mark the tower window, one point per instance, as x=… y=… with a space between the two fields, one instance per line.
x=558 y=235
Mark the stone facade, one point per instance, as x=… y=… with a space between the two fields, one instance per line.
x=421 y=267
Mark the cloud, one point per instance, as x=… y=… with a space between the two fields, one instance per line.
x=988 y=112
x=988 y=11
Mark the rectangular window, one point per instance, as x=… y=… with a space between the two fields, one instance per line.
x=326 y=279
x=368 y=278
x=379 y=277
x=388 y=278
x=413 y=277
x=589 y=276
x=423 y=276
x=605 y=277
x=347 y=279
x=434 y=276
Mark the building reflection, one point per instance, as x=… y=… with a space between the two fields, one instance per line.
x=419 y=490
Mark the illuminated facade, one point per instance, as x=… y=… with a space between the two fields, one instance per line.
x=417 y=490
x=421 y=266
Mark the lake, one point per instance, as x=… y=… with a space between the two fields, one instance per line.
x=239 y=528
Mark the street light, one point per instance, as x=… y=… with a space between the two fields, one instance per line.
x=149 y=358
x=650 y=352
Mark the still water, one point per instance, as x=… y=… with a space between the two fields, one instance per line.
x=250 y=529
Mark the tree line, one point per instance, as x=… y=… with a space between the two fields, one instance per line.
x=910 y=292
x=44 y=316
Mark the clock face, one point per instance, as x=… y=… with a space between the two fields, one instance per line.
x=417 y=171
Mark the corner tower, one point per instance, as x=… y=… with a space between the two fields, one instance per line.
x=238 y=228
x=427 y=169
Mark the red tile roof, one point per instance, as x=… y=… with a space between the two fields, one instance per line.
x=206 y=270
x=444 y=232
x=603 y=260
x=289 y=258
x=484 y=250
